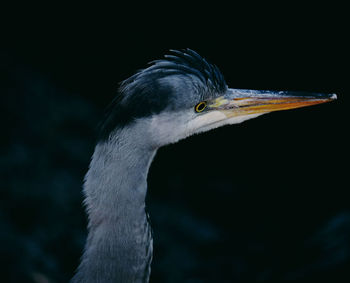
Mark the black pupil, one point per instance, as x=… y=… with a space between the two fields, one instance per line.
x=201 y=106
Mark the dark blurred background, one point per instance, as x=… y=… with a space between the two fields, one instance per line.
x=263 y=201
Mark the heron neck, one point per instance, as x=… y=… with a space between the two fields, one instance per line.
x=119 y=244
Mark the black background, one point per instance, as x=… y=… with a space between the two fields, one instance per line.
x=266 y=200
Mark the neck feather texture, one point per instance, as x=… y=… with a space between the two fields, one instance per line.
x=119 y=243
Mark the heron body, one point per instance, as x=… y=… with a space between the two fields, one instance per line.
x=172 y=99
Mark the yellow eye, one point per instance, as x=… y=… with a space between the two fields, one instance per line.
x=200 y=106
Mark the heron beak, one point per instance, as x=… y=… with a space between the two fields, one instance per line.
x=242 y=102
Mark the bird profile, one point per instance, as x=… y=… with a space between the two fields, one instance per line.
x=173 y=98
x=151 y=90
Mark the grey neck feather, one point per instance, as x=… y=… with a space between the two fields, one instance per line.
x=119 y=243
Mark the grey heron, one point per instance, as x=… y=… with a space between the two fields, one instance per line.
x=173 y=98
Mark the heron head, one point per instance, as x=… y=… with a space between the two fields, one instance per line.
x=183 y=94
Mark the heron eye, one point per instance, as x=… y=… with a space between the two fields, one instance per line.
x=200 y=106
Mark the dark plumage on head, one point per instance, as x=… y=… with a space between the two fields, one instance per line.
x=178 y=81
